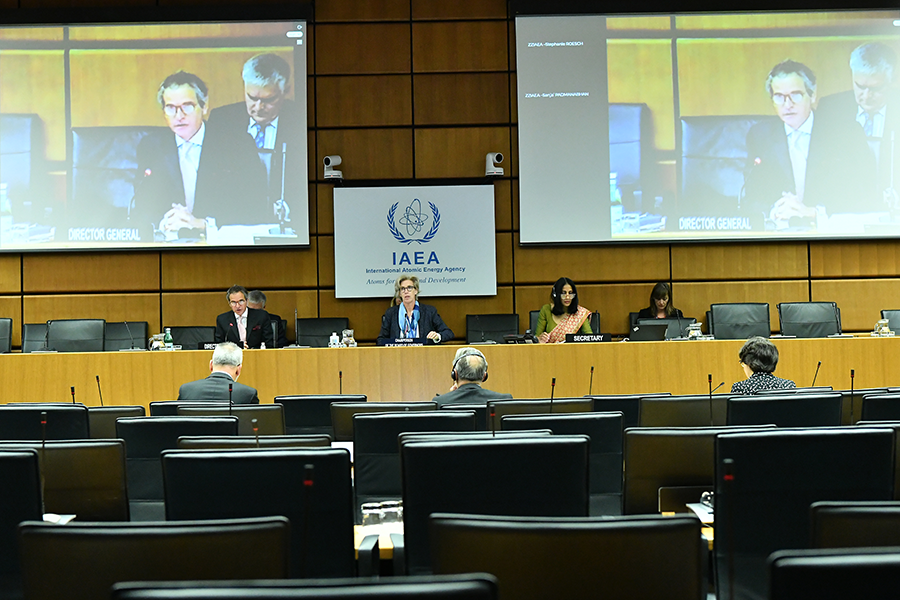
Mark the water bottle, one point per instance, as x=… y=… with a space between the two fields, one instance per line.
x=168 y=341
x=334 y=341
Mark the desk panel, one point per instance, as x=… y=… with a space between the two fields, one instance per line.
x=409 y=374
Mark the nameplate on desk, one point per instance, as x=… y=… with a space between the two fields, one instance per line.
x=578 y=338
x=406 y=342
x=206 y=346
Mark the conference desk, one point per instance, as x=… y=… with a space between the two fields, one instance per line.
x=418 y=373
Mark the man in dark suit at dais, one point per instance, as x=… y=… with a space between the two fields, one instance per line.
x=225 y=368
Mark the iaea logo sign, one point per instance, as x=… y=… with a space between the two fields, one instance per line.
x=414 y=221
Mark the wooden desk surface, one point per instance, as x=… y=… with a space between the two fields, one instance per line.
x=407 y=374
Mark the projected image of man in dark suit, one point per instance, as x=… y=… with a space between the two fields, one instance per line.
x=225 y=368
x=803 y=167
x=241 y=325
x=272 y=122
x=198 y=174
x=874 y=105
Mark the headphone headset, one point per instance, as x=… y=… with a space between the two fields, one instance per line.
x=469 y=352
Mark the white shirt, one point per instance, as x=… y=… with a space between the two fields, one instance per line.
x=189 y=161
x=798 y=147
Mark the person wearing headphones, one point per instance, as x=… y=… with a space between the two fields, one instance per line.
x=563 y=315
x=469 y=371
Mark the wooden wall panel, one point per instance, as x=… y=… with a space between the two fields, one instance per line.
x=504 y=249
x=860 y=300
x=694 y=298
x=454 y=310
x=364 y=313
x=855 y=259
x=368 y=153
x=283 y=303
x=112 y=307
x=377 y=48
x=192 y=308
x=90 y=272
x=388 y=101
x=326 y=261
x=33 y=80
x=537 y=264
x=612 y=301
x=11 y=308
x=10 y=273
x=461 y=98
x=739 y=261
x=458 y=152
x=460 y=46
x=503 y=205
x=353 y=10
x=254 y=269
x=325 y=209
x=460 y=9
x=313 y=211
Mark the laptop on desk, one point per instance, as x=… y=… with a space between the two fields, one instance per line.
x=648 y=332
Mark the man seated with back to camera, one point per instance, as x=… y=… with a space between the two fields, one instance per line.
x=759 y=357
x=469 y=371
x=241 y=325
x=225 y=368
x=257 y=301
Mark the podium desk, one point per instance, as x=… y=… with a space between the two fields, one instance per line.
x=418 y=373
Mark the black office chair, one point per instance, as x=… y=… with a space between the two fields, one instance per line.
x=809 y=319
x=76 y=335
x=342 y=414
x=169 y=408
x=376 y=453
x=5 y=335
x=269 y=417
x=627 y=404
x=880 y=407
x=145 y=438
x=497 y=409
x=306 y=414
x=102 y=419
x=536 y=476
x=244 y=442
x=490 y=328
x=833 y=574
x=859 y=524
x=605 y=459
x=533 y=316
x=683 y=411
x=314 y=332
x=20 y=501
x=34 y=337
x=480 y=411
x=740 y=320
x=88 y=558
x=192 y=337
x=766 y=481
x=893 y=316
x=62 y=421
x=127 y=335
x=536 y=558
x=786 y=410
x=309 y=486
x=82 y=477
x=472 y=586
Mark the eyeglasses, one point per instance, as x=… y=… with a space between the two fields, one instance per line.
x=186 y=109
x=409 y=288
x=796 y=98
x=237 y=302
x=567 y=294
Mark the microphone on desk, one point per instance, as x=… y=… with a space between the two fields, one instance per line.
x=43 y=429
x=591 y=384
x=230 y=403
x=73 y=394
x=46 y=336
x=817 y=374
x=255 y=425
x=308 y=483
x=493 y=413
x=340 y=382
x=99 y=391
x=128 y=329
x=709 y=383
x=552 y=389
x=852 y=377
x=711 y=402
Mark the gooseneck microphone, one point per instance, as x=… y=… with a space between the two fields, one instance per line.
x=73 y=394
x=255 y=425
x=340 y=382
x=852 y=377
x=99 y=391
x=43 y=430
x=591 y=384
x=711 y=391
x=230 y=402
x=709 y=383
x=817 y=374
x=552 y=388
x=128 y=330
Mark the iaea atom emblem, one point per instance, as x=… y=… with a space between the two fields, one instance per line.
x=414 y=221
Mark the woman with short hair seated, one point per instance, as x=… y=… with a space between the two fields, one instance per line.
x=562 y=315
x=759 y=357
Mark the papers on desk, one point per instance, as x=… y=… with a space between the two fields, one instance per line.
x=702 y=511
x=57 y=519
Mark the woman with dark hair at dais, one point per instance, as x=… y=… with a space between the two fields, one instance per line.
x=562 y=315
x=660 y=304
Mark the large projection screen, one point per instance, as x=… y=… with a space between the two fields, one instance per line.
x=737 y=126
x=95 y=154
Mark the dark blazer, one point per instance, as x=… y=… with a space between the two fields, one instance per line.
x=291 y=131
x=258 y=328
x=282 y=334
x=470 y=393
x=231 y=180
x=840 y=168
x=429 y=320
x=843 y=106
x=215 y=389
x=649 y=313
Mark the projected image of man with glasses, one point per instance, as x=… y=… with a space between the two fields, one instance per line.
x=193 y=175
